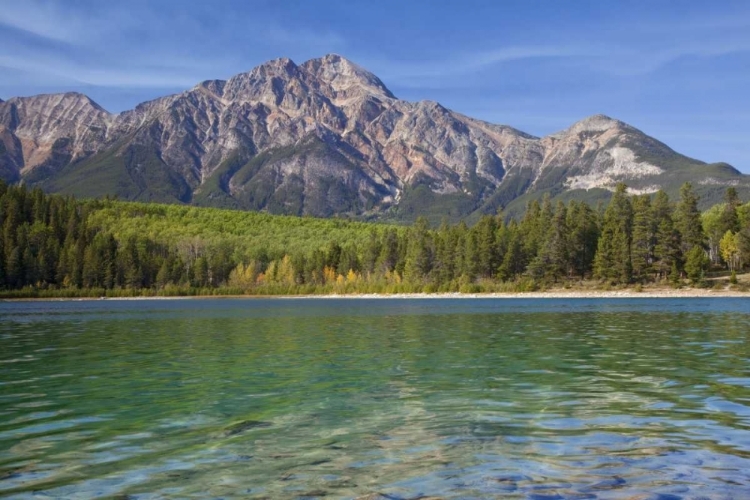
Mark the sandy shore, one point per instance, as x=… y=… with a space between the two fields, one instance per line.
x=667 y=293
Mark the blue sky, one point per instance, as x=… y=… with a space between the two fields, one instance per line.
x=678 y=70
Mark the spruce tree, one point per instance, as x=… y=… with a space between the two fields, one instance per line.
x=667 y=239
x=644 y=232
x=613 y=258
x=487 y=256
x=419 y=252
x=687 y=219
x=551 y=262
x=729 y=219
x=583 y=226
x=514 y=261
x=696 y=264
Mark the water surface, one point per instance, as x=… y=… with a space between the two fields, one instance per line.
x=469 y=398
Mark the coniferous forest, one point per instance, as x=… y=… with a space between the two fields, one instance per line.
x=59 y=246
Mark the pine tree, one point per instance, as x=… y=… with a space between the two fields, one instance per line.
x=419 y=252
x=613 y=259
x=687 y=219
x=388 y=256
x=14 y=268
x=584 y=236
x=470 y=261
x=445 y=254
x=487 y=256
x=729 y=219
x=696 y=264
x=644 y=235
x=514 y=262
x=667 y=239
x=371 y=253
x=551 y=261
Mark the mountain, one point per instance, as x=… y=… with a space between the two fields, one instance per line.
x=327 y=138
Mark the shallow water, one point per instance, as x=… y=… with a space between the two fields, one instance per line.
x=305 y=398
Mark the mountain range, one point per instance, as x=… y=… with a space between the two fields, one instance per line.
x=327 y=138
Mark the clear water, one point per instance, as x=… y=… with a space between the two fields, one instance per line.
x=538 y=399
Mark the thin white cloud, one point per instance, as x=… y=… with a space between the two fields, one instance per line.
x=52 y=70
x=424 y=73
x=644 y=60
x=62 y=22
x=325 y=40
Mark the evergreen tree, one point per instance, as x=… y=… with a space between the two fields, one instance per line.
x=487 y=255
x=667 y=242
x=14 y=268
x=584 y=234
x=696 y=264
x=445 y=254
x=552 y=259
x=688 y=219
x=389 y=251
x=729 y=219
x=613 y=259
x=371 y=253
x=644 y=235
x=419 y=254
x=514 y=262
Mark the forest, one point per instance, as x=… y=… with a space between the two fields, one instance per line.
x=54 y=246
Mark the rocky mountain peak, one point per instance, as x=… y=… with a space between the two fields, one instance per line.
x=593 y=124
x=66 y=99
x=49 y=113
x=264 y=83
x=346 y=77
x=282 y=66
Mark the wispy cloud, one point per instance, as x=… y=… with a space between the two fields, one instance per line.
x=305 y=38
x=61 y=21
x=60 y=70
x=424 y=73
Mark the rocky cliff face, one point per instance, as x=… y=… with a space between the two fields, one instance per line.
x=325 y=137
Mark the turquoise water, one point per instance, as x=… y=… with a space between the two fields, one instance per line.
x=305 y=398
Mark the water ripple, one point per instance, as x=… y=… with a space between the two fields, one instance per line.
x=537 y=399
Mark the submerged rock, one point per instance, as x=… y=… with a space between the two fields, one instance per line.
x=383 y=496
x=314 y=494
x=243 y=426
x=607 y=484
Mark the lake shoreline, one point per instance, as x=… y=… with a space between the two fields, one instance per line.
x=690 y=293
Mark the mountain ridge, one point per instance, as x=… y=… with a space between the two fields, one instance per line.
x=327 y=137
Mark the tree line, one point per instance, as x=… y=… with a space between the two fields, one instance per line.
x=52 y=245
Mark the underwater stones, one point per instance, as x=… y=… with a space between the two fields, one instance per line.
x=245 y=425
x=607 y=484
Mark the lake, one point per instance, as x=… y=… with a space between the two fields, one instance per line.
x=343 y=398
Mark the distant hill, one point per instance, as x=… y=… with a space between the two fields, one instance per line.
x=328 y=138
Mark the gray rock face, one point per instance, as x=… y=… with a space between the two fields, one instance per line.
x=325 y=137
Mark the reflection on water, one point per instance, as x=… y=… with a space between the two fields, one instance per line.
x=539 y=399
